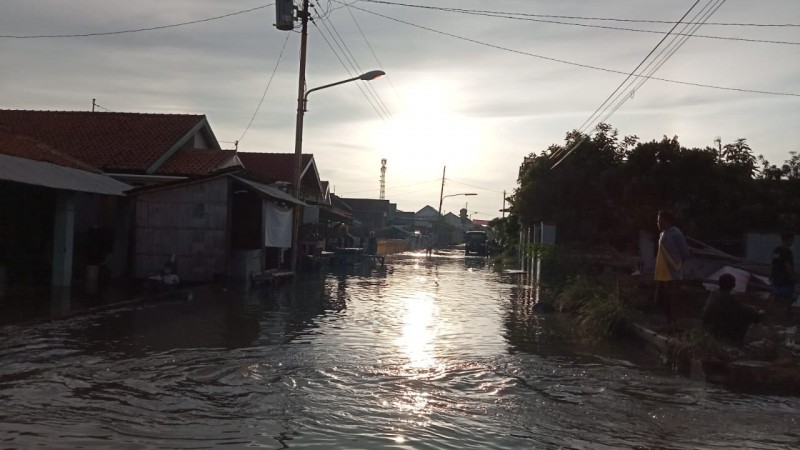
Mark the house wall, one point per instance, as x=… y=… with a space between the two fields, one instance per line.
x=190 y=222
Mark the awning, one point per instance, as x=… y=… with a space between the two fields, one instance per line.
x=40 y=173
x=269 y=191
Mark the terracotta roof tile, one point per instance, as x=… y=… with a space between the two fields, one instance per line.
x=196 y=162
x=25 y=147
x=129 y=142
x=272 y=167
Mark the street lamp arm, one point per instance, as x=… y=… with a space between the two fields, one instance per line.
x=441 y=199
x=455 y=195
x=371 y=75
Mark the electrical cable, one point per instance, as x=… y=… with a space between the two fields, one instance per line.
x=571 y=63
x=611 y=19
x=396 y=187
x=682 y=39
x=269 y=83
x=371 y=50
x=473 y=186
x=108 y=33
x=335 y=53
x=591 y=117
x=675 y=48
x=357 y=67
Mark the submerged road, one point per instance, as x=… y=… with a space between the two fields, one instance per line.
x=434 y=353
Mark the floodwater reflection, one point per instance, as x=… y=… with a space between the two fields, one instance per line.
x=430 y=352
x=419 y=331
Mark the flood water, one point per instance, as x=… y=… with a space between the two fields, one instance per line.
x=432 y=353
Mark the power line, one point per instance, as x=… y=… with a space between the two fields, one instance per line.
x=610 y=19
x=671 y=52
x=682 y=39
x=635 y=30
x=269 y=83
x=371 y=49
x=357 y=67
x=137 y=30
x=335 y=53
x=397 y=187
x=571 y=63
x=473 y=186
x=591 y=117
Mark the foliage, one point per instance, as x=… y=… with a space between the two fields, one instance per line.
x=575 y=292
x=606 y=312
x=696 y=342
x=601 y=308
x=609 y=189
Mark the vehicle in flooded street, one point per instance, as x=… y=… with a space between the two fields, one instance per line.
x=424 y=352
x=476 y=242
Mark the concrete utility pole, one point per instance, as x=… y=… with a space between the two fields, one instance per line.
x=504 y=205
x=441 y=193
x=298 y=140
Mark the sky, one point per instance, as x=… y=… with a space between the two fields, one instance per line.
x=472 y=92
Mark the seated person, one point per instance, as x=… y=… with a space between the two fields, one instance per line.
x=724 y=315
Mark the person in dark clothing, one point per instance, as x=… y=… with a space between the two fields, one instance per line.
x=783 y=275
x=372 y=244
x=725 y=316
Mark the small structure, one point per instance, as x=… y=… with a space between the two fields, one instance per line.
x=217 y=227
x=46 y=199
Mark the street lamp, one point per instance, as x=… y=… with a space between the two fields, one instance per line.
x=451 y=195
x=441 y=199
x=302 y=101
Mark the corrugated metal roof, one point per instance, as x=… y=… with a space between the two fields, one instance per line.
x=269 y=191
x=39 y=173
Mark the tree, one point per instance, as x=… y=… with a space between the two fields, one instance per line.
x=740 y=155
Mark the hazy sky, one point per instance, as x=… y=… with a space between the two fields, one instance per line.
x=469 y=91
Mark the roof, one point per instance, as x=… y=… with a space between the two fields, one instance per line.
x=260 y=188
x=110 y=141
x=337 y=202
x=367 y=204
x=25 y=147
x=272 y=167
x=197 y=161
x=428 y=210
x=269 y=191
x=47 y=174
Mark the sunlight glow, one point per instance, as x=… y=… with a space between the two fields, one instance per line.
x=428 y=129
x=419 y=332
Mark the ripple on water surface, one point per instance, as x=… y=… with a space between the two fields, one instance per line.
x=438 y=352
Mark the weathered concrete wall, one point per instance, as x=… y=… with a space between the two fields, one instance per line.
x=190 y=222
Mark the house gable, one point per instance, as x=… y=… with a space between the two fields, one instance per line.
x=131 y=143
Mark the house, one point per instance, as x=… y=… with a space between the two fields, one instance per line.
x=372 y=214
x=320 y=217
x=132 y=148
x=279 y=168
x=135 y=148
x=48 y=197
x=218 y=226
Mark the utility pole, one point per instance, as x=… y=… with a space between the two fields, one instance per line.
x=441 y=193
x=504 y=205
x=298 y=142
x=441 y=198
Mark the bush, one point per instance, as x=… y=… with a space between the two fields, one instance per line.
x=607 y=312
x=575 y=292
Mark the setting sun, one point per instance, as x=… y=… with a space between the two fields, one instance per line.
x=428 y=128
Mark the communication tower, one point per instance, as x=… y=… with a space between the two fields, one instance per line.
x=383 y=179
